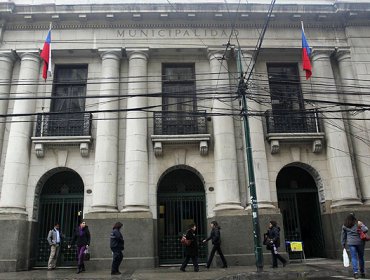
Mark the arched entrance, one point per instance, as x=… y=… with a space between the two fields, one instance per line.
x=299 y=204
x=61 y=200
x=181 y=201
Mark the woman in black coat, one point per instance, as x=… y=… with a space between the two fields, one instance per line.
x=216 y=241
x=82 y=240
x=191 y=251
x=273 y=243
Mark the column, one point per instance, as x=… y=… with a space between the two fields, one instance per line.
x=226 y=174
x=14 y=189
x=341 y=181
x=359 y=132
x=6 y=69
x=106 y=149
x=258 y=144
x=136 y=160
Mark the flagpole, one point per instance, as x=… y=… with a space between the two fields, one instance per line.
x=302 y=26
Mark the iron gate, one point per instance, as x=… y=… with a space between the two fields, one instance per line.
x=302 y=221
x=67 y=210
x=176 y=212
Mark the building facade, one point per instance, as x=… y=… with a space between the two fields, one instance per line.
x=140 y=122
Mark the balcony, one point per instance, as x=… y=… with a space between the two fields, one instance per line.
x=63 y=129
x=180 y=128
x=294 y=126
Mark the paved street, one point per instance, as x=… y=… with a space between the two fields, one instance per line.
x=319 y=269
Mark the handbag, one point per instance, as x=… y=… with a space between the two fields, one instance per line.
x=86 y=254
x=363 y=235
x=185 y=241
x=345 y=258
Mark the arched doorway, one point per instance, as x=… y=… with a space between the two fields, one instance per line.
x=181 y=201
x=299 y=204
x=61 y=200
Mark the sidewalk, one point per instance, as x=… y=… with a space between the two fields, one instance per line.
x=310 y=269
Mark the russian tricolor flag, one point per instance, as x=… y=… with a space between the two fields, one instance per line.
x=306 y=52
x=46 y=56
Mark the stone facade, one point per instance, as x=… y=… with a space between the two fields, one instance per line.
x=121 y=161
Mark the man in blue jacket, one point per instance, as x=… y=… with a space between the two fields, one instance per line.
x=117 y=246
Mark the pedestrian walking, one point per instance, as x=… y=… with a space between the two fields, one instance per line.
x=351 y=237
x=117 y=245
x=191 y=251
x=55 y=240
x=82 y=240
x=215 y=236
x=272 y=242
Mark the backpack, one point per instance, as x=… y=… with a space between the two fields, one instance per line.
x=184 y=241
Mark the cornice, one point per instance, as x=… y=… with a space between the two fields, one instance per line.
x=75 y=26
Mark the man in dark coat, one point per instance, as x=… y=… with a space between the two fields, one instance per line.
x=117 y=246
x=191 y=251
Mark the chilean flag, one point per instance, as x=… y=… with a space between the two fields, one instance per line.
x=46 y=56
x=306 y=52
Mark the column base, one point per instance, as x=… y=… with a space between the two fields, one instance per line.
x=262 y=205
x=135 y=208
x=346 y=202
x=13 y=210
x=228 y=206
x=104 y=209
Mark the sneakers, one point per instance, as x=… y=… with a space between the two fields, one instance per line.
x=356 y=276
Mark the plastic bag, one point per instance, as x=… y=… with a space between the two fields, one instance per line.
x=345 y=258
x=86 y=254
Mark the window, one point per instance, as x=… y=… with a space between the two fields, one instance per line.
x=288 y=114
x=285 y=89
x=69 y=93
x=179 y=99
x=179 y=88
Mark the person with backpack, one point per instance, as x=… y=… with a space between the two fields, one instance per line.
x=117 y=245
x=191 y=251
x=273 y=243
x=351 y=236
x=215 y=236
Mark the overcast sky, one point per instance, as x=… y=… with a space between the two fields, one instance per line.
x=70 y=2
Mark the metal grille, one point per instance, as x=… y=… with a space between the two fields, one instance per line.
x=302 y=222
x=297 y=121
x=176 y=213
x=179 y=123
x=68 y=124
x=67 y=210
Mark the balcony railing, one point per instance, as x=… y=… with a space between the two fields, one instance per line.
x=298 y=121
x=68 y=124
x=180 y=123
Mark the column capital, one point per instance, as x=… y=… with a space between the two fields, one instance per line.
x=8 y=56
x=29 y=55
x=342 y=54
x=115 y=53
x=321 y=53
x=214 y=53
x=137 y=53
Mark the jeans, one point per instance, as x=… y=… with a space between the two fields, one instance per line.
x=276 y=256
x=195 y=262
x=80 y=255
x=117 y=259
x=357 y=250
x=216 y=248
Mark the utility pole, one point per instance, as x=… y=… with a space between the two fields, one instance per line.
x=242 y=87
